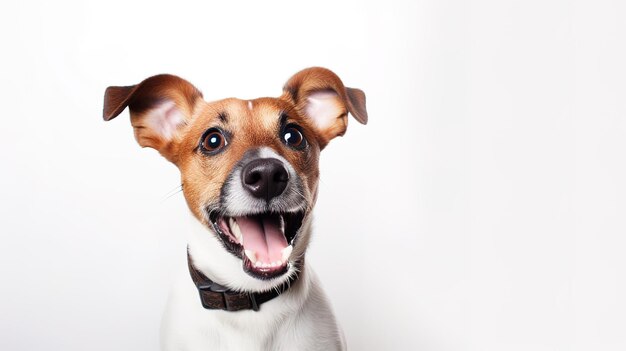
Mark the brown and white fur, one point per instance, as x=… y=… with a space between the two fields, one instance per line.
x=213 y=144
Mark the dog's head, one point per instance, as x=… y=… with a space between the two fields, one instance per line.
x=249 y=168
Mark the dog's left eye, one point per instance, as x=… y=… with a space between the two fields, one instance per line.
x=213 y=141
x=293 y=137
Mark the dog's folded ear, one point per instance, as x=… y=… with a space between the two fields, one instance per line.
x=319 y=94
x=160 y=107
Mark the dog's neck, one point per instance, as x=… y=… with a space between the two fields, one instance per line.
x=214 y=296
x=222 y=283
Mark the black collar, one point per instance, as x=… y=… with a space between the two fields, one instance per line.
x=217 y=297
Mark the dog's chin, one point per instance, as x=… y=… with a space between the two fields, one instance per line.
x=263 y=241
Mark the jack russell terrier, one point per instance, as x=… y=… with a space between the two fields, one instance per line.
x=250 y=172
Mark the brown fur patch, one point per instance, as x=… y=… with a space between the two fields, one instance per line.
x=246 y=128
x=203 y=176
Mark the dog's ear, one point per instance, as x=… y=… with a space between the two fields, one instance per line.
x=321 y=96
x=160 y=107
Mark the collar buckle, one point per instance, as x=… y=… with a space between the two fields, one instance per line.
x=253 y=302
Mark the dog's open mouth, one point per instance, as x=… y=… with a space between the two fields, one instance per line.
x=263 y=241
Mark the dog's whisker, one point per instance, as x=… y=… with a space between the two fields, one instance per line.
x=172 y=193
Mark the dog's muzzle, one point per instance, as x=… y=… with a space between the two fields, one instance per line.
x=261 y=211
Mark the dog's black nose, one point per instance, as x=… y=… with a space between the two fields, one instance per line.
x=265 y=178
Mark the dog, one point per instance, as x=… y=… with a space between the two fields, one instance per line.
x=250 y=173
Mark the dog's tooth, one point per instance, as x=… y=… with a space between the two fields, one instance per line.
x=251 y=256
x=234 y=228
x=287 y=252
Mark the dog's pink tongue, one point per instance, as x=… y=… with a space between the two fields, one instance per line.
x=264 y=236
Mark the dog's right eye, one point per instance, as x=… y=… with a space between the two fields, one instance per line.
x=293 y=137
x=213 y=141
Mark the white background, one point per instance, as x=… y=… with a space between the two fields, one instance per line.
x=481 y=209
